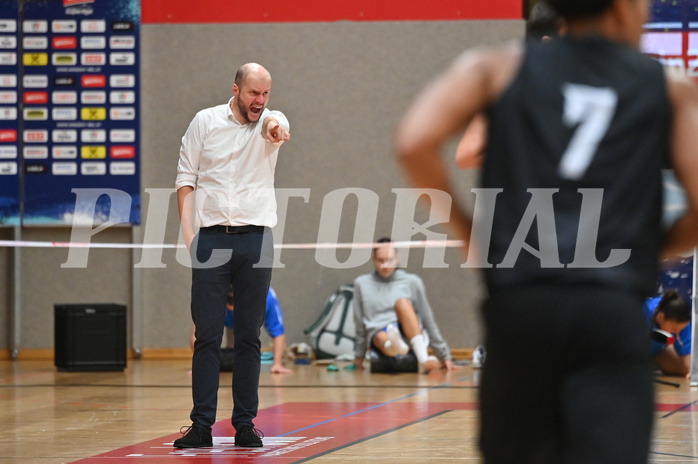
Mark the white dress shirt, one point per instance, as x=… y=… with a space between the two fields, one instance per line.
x=231 y=167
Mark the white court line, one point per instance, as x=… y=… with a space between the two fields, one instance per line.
x=284 y=246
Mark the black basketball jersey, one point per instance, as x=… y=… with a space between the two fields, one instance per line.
x=576 y=146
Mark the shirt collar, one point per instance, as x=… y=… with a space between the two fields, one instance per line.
x=229 y=112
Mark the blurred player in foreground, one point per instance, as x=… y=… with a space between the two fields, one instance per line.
x=579 y=130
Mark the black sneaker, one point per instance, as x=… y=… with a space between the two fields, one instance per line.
x=248 y=437
x=195 y=436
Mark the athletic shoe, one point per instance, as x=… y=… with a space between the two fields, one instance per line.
x=396 y=340
x=248 y=437
x=195 y=436
x=478 y=357
x=429 y=365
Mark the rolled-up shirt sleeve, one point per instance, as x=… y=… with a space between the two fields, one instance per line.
x=190 y=154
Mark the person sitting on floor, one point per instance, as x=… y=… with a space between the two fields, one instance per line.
x=669 y=319
x=390 y=305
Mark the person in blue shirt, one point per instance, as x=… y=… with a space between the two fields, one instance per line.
x=669 y=319
x=273 y=324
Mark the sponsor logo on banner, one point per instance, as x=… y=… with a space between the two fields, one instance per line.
x=122 y=168
x=35 y=81
x=36 y=152
x=35 y=136
x=8 y=152
x=93 y=97
x=122 y=80
x=65 y=151
x=8 y=25
x=93 y=42
x=8 y=97
x=35 y=169
x=8 y=113
x=122 y=26
x=8 y=80
x=118 y=97
x=64 y=169
x=89 y=25
x=64 y=42
x=94 y=80
x=122 y=135
x=64 y=81
x=64 y=136
x=122 y=152
x=9 y=59
x=64 y=59
x=93 y=59
x=122 y=42
x=64 y=26
x=35 y=98
x=93 y=168
x=92 y=135
x=64 y=97
x=35 y=43
x=8 y=169
x=35 y=59
x=8 y=135
x=67 y=3
x=64 y=114
x=122 y=59
x=35 y=27
x=8 y=41
x=35 y=114
x=93 y=152
x=93 y=114
x=122 y=114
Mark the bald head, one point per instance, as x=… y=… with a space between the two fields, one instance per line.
x=251 y=71
x=251 y=91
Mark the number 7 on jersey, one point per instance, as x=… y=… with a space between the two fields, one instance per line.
x=591 y=109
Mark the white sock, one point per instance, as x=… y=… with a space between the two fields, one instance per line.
x=389 y=349
x=419 y=346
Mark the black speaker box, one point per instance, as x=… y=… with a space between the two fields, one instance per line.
x=90 y=337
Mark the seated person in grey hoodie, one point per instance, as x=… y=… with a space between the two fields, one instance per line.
x=390 y=308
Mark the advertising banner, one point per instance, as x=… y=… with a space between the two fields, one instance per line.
x=9 y=111
x=80 y=110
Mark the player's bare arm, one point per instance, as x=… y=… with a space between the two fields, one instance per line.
x=444 y=109
x=683 y=235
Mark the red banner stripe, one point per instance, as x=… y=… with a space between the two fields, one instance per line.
x=274 y=11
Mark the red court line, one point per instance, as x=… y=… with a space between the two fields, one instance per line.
x=293 y=432
x=274 y=11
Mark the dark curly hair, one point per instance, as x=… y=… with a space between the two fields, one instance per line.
x=674 y=306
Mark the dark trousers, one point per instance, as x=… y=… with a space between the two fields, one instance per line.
x=245 y=260
x=568 y=377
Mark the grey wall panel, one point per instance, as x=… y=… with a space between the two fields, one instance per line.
x=105 y=279
x=343 y=87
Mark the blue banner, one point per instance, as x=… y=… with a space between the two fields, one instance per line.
x=80 y=109
x=9 y=114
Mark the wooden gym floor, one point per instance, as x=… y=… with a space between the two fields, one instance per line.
x=313 y=415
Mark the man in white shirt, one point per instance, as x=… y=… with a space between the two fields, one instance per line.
x=225 y=187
